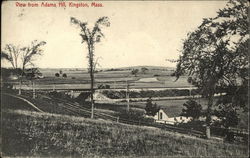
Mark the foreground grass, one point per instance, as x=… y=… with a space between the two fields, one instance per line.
x=27 y=133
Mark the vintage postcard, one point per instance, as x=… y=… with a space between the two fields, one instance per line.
x=104 y=78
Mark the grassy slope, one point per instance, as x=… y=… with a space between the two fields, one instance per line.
x=35 y=134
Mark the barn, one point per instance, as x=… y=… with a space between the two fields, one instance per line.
x=162 y=117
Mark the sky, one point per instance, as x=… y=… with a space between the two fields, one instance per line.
x=141 y=33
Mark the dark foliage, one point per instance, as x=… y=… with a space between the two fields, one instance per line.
x=133 y=117
x=64 y=75
x=82 y=97
x=6 y=72
x=151 y=109
x=57 y=75
x=135 y=72
x=192 y=109
x=149 y=93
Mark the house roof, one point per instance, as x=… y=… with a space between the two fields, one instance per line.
x=170 y=112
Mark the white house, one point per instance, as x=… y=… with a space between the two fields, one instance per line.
x=162 y=117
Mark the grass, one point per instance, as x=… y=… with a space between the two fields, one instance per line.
x=116 y=79
x=27 y=133
x=173 y=107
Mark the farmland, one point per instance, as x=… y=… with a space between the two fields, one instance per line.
x=155 y=79
x=116 y=78
x=66 y=130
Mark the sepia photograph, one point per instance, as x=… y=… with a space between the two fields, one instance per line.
x=125 y=79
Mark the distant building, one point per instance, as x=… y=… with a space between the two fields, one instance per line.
x=33 y=73
x=162 y=117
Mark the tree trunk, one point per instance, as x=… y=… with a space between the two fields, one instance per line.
x=21 y=79
x=91 y=64
x=208 y=116
x=92 y=93
x=127 y=96
x=19 y=89
x=34 y=91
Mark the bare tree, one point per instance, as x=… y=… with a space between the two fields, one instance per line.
x=25 y=55
x=28 y=56
x=30 y=52
x=11 y=54
x=91 y=37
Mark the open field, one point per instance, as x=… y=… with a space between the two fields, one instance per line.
x=79 y=79
x=45 y=134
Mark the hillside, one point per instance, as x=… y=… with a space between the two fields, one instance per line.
x=44 y=134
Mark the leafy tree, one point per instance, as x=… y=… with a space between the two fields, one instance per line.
x=215 y=54
x=64 y=75
x=134 y=72
x=193 y=109
x=91 y=37
x=228 y=115
x=57 y=75
x=144 y=70
x=151 y=109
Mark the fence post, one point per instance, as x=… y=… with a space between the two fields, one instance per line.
x=19 y=89
x=208 y=132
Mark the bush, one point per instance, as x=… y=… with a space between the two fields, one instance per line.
x=146 y=94
x=151 y=109
x=59 y=95
x=192 y=109
x=82 y=97
x=64 y=75
x=57 y=74
x=134 y=117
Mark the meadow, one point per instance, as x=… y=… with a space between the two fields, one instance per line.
x=115 y=78
x=35 y=134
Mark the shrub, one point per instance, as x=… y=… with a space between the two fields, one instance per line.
x=134 y=117
x=64 y=75
x=146 y=94
x=192 y=109
x=82 y=97
x=151 y=109
x=57 y=74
